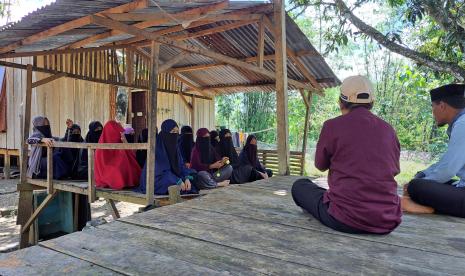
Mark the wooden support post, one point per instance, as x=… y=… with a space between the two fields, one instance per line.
x=47 y=200
x=152 y=123
x=114 y=210
x=281 y=87
x=25 y=191
x=50 y=189
x=26 y=124
x=261 y=43
x=174 y=194
x=193 y=110
x=7 y=166
x=91 y=186
x=308 y=105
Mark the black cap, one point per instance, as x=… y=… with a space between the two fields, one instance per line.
x=448 y=91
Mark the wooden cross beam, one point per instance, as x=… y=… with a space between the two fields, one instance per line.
x=86 y=20
x=191 y=85
x=112 y=24
x=48 y=79
x=155 y=21
x=170 y=63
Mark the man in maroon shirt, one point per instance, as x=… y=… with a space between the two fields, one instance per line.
x=362 y=153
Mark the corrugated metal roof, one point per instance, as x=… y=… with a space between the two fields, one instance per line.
x=239 y=43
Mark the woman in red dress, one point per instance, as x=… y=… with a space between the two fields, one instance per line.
x=115 y=169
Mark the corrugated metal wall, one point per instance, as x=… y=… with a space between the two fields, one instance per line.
x=82 y=101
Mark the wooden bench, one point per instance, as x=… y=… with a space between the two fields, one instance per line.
x=81 y=187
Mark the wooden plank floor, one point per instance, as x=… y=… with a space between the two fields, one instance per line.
x=250 y=229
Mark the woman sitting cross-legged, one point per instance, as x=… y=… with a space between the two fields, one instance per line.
x=115 y=169
x=241 y=172
x=249 y=156
x=212 y=169
x=169 y=165
x=37 y=166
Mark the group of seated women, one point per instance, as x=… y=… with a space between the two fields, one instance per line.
x=210 y=162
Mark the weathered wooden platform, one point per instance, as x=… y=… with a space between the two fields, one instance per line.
x=249 y=229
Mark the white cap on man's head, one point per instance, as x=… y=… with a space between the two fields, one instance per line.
x=357 y=89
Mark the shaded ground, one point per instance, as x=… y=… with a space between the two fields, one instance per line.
x=9 y=231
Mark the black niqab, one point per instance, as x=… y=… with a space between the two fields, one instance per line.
x=226 y=148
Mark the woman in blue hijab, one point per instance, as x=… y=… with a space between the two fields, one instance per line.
x=169 y=165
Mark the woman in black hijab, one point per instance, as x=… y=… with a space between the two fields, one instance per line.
x=92 y=136
x=186 y=143
x=249 y=156
x=214 y=138
x=241 y=172
x=72 y=156
x=141 y=155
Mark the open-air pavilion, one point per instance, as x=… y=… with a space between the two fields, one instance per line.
x=189 y=52
x=196 y=50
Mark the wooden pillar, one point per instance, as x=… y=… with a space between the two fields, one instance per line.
x=281 y=87
x=193 y=110
x=25 y=190
x=308 y=105
x=152 y=123
x=7 y=165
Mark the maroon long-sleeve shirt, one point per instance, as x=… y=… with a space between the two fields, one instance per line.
x=362 y=154
x=196 y=162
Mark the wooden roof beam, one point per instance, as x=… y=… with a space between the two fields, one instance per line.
x=157 y=20
x=214 y=30
x=112 y=24
x=202 y=21
x=182 y=16
x=249 y=59
x=86 y=20
x=67 y=51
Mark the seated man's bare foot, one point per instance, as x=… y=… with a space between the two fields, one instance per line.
x=223 y=183
x=410 y=206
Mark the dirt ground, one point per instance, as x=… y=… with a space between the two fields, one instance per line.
x=9 y=231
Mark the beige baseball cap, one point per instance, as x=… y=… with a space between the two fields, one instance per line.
x=357 y=89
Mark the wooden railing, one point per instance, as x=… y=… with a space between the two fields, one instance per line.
x=91 y=147
x=270 y=159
